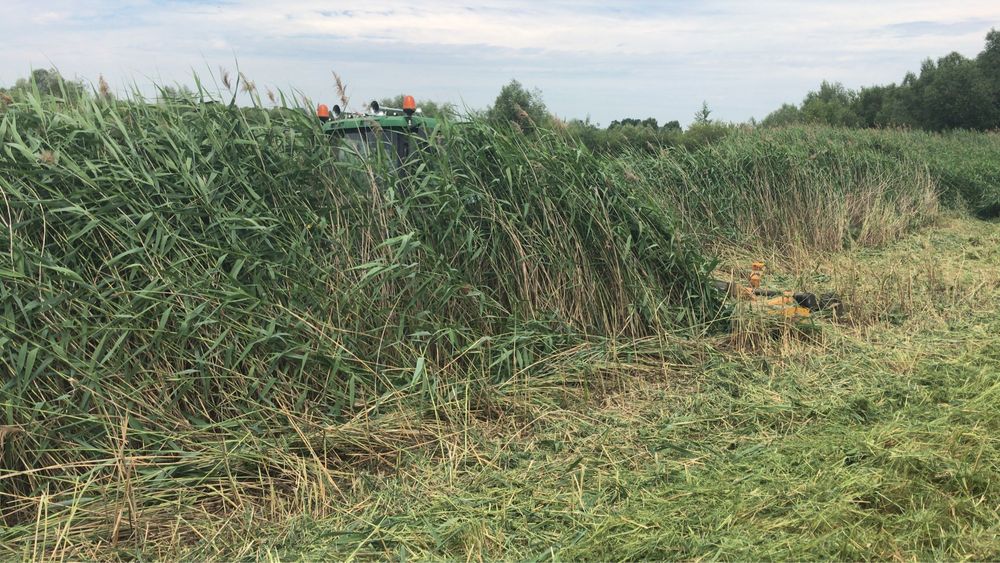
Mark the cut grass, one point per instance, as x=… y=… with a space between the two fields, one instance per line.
x=876 y=439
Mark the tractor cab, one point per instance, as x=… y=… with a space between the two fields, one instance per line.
x=393 y=133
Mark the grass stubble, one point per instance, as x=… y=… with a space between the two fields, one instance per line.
x=222 y=343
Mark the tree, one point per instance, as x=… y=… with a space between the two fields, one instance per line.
x=832 y=104
x=989 y=59
x=586 y=132
x=672 y=126
x=633 y=122
x=955 y=94
x=868 y=105
x=787 y=114
x=48 y=82
x=989 y=65
x=515 y=104
x=702 y=115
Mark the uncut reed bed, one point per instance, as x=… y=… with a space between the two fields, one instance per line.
x=202 y=309
x=964 y=164
x=807 y=188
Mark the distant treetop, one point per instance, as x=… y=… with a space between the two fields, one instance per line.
x=953 y=92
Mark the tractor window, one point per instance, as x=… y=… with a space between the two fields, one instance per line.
x=358 y=143
x=397 y=144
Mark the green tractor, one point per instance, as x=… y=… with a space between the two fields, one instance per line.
x=378 y=131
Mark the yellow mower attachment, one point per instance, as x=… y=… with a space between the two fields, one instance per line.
x=788 y=304
x=785 y=305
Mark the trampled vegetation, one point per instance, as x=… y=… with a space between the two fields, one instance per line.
x=211 y=324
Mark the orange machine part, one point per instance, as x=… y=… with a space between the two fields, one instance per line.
x=756 y=274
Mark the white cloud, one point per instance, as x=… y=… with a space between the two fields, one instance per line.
x=743 y=57
x=49 y=17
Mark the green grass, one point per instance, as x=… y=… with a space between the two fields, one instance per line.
x=878 y=440
x=964 y=165
x=821 y=188
x=218 y=340
x=815 y=188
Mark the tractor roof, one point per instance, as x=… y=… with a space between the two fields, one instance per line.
x=407 y=117
x=356 y=122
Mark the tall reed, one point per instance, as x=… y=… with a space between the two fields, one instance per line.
x=186 y=284
x=812 y=188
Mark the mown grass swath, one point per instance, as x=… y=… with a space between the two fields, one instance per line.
x=181 y=277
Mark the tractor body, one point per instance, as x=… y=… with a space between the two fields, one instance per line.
x=377 y=131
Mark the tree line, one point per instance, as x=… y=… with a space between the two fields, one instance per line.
x=953 y=92
x=525 y=110
x=47 y=82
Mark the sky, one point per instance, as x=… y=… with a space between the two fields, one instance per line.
x=598 y=59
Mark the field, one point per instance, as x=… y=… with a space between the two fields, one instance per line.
x=874 y=440
x=219 y=341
